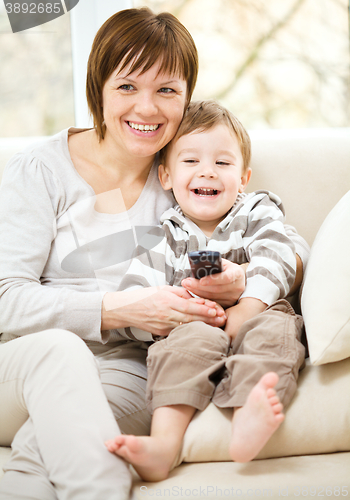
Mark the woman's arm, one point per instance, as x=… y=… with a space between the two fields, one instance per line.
x=29 y=195
x=33 y=294
x=298 y=276
x=302 y=256
x=157 y=310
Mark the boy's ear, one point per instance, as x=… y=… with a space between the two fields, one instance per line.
x=245 y=179
x=164 y=177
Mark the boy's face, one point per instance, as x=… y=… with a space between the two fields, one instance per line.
x=205 y=172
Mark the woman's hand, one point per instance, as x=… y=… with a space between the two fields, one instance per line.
x=225 y=288
x=158 y=309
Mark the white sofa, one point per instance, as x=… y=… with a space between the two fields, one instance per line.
x=309 y=455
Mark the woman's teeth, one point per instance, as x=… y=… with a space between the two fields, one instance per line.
x=143 y=128
x=206 y=192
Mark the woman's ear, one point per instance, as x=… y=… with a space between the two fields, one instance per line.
x=164 y=177
x=245 y=179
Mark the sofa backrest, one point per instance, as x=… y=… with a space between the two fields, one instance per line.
x=308 y=168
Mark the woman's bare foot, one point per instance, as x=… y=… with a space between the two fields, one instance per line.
x=257 y=420
x=151 y=457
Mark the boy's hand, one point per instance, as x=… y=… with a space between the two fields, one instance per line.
x=246 y=309
x=224 y=288
x=220 y=312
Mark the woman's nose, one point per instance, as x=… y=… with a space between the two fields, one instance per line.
x=145 y=105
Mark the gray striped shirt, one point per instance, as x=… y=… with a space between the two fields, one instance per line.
x=253 y=231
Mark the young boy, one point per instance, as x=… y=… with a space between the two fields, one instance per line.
x=252 y=365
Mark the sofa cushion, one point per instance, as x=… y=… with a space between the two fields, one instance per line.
x=325 y=299
x=317 y=420
x=325 y=476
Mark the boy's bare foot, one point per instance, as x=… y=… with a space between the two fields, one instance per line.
x=151 y=457
x=257 y=420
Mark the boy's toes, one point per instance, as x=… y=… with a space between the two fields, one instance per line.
x=279 y=417
x=274 y=400
x=114 y=444
x=269 y=380
x=277 y=408
x=270 y=393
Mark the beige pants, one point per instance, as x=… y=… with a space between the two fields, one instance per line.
x=195 y=364
x=58 y=452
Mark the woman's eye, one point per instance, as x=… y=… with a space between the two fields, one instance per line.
x=126 y=87
x=166 y=90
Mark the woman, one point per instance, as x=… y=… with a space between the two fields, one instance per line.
x=72 y=210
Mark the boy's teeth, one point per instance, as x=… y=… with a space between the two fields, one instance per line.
x=143 y=128
x=206 y=191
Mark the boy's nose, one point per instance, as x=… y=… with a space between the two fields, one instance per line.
x=208 y=172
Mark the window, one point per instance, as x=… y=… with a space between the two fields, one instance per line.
x=36 y=84
x=274 y=64
x=37 y=95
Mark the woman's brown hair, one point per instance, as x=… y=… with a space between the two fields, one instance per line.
x=140 y=38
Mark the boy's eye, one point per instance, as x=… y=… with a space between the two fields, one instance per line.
x=190 y=161
x=224 y=163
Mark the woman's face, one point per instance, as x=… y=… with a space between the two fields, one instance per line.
x=142 y=112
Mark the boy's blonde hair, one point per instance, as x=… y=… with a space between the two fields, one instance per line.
x=201 y=116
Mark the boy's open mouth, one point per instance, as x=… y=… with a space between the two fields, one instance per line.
x=206 y=191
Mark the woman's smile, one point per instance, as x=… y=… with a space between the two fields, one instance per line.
x=142 y=111
x=143 y=127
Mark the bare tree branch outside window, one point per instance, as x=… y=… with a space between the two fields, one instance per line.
x=275 y=64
